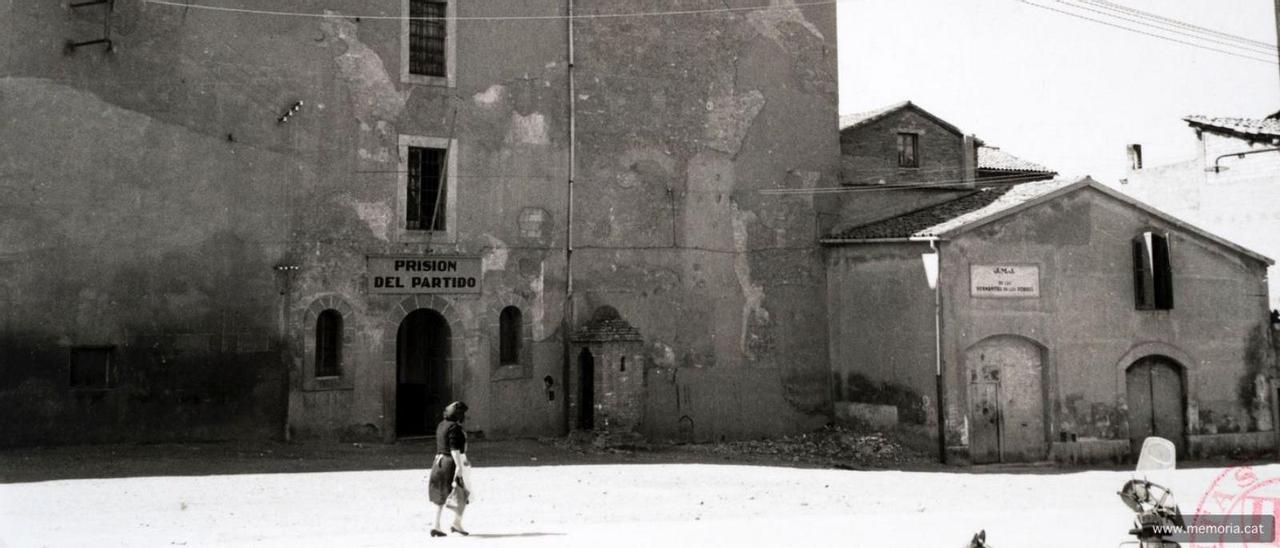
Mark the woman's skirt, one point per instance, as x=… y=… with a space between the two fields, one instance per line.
x=441 y=482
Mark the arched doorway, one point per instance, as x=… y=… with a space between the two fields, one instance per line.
x=1006 y=400
x=422 y=372
x=586 y=390
x=1156 y=398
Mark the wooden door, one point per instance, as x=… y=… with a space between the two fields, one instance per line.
x=1006 y=401
x=1154 y=389
x=984 y=418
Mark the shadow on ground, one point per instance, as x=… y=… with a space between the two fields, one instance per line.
x=30 y=464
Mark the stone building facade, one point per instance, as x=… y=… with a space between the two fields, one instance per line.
x=231 y=222
x=1074 y=321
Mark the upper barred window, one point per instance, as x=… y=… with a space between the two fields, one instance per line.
x=428 y=36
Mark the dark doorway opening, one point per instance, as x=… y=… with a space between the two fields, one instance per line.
x=422 y=372
x=1155 y=394
x=586 y=390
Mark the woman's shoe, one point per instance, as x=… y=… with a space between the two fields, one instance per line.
x=462 y=532
x=437 y=533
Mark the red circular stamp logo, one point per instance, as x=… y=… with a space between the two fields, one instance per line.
x=1246 y=499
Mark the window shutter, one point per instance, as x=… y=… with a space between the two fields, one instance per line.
x=1163 y=272
x=413 y=201
x=1143 y=284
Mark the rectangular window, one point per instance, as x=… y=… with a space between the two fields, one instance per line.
x=425 y=196
x=908 y=150
x=427 y=38
x=91 y=367
x=1152 y=272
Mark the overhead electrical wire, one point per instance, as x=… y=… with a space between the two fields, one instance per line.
x=1247 y=49
x=1000 y=180
x=1150 y=34
x=661 y=13
x=1178 y=23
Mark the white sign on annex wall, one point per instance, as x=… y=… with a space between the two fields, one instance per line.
x=1004 y=281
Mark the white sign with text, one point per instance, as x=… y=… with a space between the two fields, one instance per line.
x=1004 y=281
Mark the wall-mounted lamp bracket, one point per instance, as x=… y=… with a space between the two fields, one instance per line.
x=284 y=118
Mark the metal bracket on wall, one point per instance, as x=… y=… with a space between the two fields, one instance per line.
x=72 y=45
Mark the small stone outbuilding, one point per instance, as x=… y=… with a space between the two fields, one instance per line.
x=606 y=381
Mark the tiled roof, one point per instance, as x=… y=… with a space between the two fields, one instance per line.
x=1245 y=126
x=860 y=118
x=994 y=159
x=607 y=330
x=938 y=219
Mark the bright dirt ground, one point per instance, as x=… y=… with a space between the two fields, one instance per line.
x=274 y=494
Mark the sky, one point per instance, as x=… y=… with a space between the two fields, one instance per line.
x=1063 y=92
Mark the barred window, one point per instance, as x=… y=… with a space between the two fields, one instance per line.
x=91 y=367
x=427 y=35
x=509 y=327
x=329 y=344
x=425 y=199
x=908 y=150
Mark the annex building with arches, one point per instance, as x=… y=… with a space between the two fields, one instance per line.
x=1066 y=321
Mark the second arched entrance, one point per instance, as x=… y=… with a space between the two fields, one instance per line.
x=1155 y=396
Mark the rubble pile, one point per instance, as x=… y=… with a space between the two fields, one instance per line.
x=831 y=445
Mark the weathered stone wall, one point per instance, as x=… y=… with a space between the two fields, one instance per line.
x=149 y=193
x=682 y=121
x=158 y=206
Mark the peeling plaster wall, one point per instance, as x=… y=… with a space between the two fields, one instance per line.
x=1085 y=320
x=161 y=231
x=682 y=121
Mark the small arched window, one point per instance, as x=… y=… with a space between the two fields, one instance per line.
x=329 y=344
x=510 y=326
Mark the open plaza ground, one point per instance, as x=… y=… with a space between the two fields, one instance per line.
x=540 y=494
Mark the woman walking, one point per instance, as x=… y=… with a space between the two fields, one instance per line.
x=447 y=469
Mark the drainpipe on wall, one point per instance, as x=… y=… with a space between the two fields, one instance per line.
x=567 y=321
x=933 y=271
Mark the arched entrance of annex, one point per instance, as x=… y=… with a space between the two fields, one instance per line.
x=1155 y=393
x=1005 y=383
x=423 y=386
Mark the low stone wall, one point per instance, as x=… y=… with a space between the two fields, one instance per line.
x=1089 y=451
x=866 y=415
x=1240 y=443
